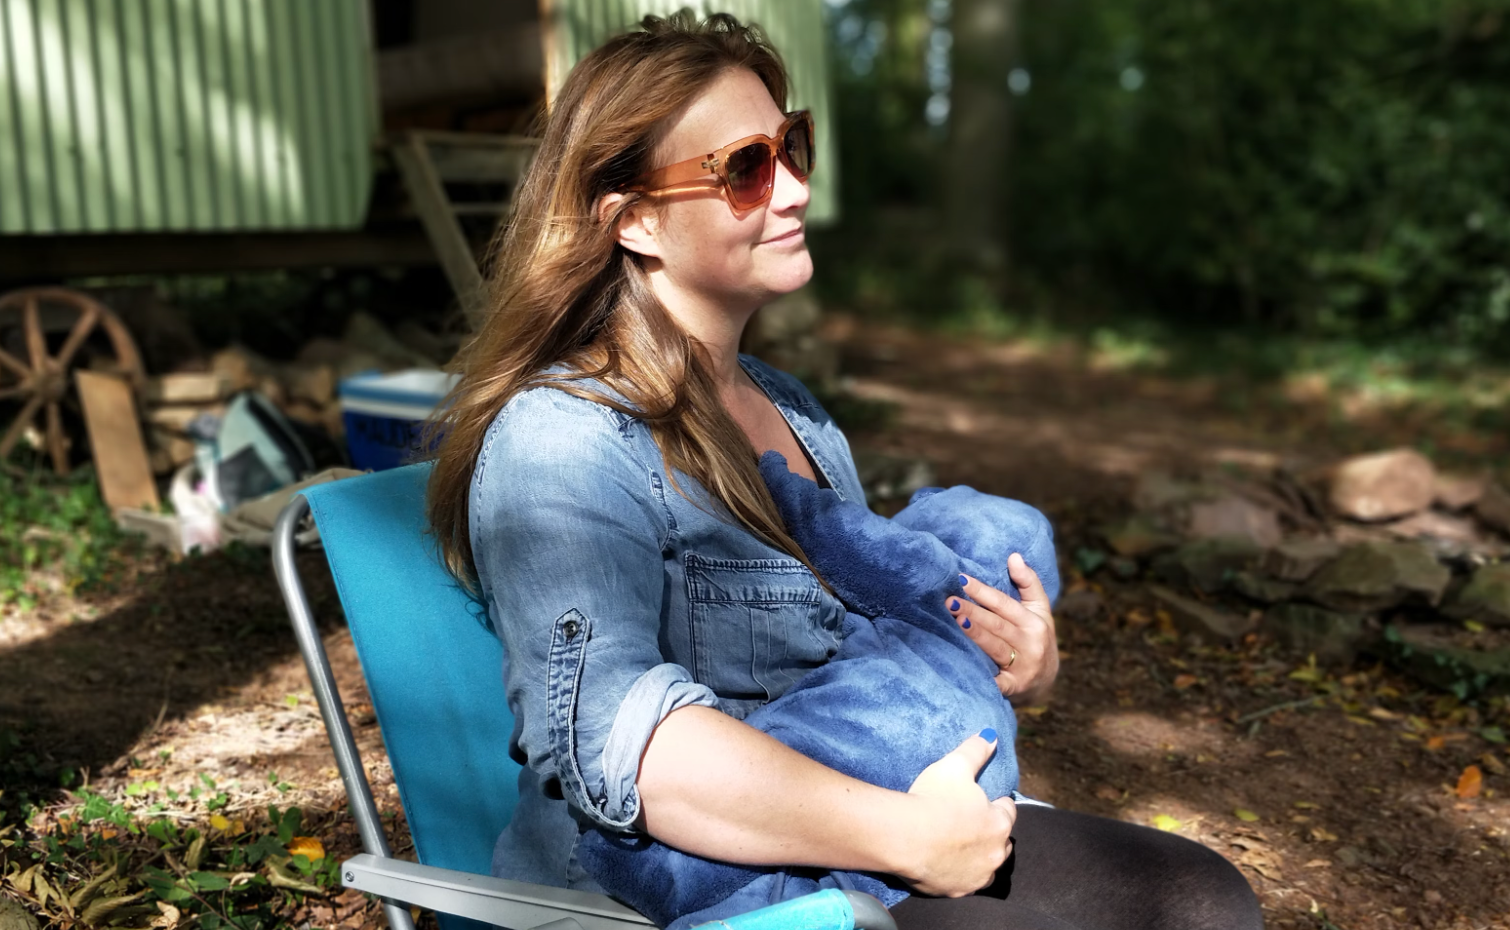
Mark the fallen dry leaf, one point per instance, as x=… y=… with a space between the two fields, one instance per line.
x=1167 y=823
x=307 y=846
x=1108 y=793
x=1492 y=763
x=1436 y=742
x=1470 y=783
x=1245 y=815
x=1181 y=682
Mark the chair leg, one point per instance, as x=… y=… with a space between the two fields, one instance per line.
x=323 y=682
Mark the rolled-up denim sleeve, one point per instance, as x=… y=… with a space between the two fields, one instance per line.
x=568 y=531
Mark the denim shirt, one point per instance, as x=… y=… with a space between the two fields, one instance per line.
x=618 y=600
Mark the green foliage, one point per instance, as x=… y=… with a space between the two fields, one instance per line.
x=1325 y=170
x=1333 y=168
x=58 y=524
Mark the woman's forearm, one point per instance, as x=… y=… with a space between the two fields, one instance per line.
x=713 y=786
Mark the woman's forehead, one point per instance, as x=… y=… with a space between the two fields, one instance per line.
x=734 y=106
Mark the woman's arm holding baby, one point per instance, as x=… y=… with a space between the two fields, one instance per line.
x=1018 y=637
x=715 y=787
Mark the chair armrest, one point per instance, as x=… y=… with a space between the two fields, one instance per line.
x=519 y=905
x=524 y=906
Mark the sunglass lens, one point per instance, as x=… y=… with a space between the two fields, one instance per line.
x=798 y=146
x=749 y=174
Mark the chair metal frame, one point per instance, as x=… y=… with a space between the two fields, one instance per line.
x=518 y=905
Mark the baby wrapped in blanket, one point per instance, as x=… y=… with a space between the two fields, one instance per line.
x=906 y=687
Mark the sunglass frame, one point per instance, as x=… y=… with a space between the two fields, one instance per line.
x=716 y=163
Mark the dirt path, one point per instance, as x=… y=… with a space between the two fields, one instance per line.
x=1349 y=815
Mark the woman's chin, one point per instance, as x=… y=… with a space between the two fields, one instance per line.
x=792 y=274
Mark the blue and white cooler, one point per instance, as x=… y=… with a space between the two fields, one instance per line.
x=385 y=415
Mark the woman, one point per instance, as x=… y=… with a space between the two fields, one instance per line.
x=599 y=482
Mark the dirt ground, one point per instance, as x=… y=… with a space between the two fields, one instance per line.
x=1333 y=789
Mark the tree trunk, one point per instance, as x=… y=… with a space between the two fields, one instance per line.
x=979 y=130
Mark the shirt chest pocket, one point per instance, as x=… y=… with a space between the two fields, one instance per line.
x=757 y=625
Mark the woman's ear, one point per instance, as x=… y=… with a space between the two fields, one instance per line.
x=637 y=223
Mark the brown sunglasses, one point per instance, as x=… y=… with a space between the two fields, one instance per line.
x=747 y=168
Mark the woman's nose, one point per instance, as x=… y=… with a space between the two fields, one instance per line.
x=788 y=194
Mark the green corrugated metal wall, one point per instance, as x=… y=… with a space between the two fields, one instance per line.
x=184 y=115
x=795 y=27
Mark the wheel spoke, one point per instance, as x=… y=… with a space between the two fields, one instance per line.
x=15 y=390
x=56 y=443
x=24 y=418
x=14 y=364
x=36 y=343
x=78 y=334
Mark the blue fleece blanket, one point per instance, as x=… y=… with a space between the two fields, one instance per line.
x=906 y=687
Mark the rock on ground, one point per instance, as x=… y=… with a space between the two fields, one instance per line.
x=1208 y=565
x=1383 y=485
x=1234 y=516
x=1299 y=559
x=1486 y=597
x=1191 y=616
x=1333 y=636
x=1375 y=576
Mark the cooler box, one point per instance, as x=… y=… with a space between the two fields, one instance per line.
x=385 y=415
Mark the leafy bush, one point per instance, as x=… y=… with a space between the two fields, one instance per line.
x=1334 y=168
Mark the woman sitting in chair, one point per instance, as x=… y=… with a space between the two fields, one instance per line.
x=599 y=482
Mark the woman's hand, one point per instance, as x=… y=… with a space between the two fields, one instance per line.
x=1018 y=637
x=959 y=838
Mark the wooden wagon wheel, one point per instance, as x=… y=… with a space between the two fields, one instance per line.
x=42 y=380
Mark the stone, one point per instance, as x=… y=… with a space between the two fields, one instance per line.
x=1459 y=492
x=1485 y=598
x=1446 y=534
x=15 y=916
x=1262 y=588
x=1383 y=485
x=1138 y=536
x=1428 y=654
x=1334 y=636
x=1236 y=517
x=1193 y=617
x=1299 y=559
x=1493 y=509
x=1375 y=576
x=1207 y=564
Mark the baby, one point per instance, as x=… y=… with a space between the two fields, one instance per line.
x=906 y=687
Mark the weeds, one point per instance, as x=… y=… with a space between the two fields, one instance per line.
x=56 y=524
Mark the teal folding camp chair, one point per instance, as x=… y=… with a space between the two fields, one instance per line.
x=434 y=672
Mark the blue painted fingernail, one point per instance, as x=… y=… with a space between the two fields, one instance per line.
x=967 y=623
x=988 y=734
x=963 y=581
x=954 y=603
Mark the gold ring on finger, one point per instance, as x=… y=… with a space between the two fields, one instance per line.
x=1012 y=658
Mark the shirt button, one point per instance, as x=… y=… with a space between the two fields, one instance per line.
x=570 y=629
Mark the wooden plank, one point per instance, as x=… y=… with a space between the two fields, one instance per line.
x=434 y=207
x=115 y=437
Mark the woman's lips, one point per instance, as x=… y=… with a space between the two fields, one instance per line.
x=785 y=237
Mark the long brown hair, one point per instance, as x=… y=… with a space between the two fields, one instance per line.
x=564 y=291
